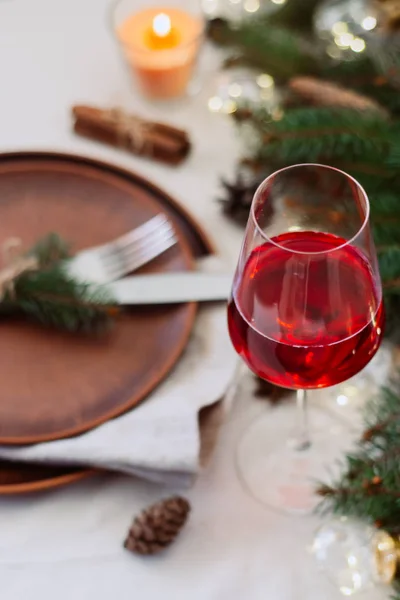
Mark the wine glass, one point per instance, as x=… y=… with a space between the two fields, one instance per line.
x=305 y=313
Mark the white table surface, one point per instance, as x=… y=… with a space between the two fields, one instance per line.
x=67 y=544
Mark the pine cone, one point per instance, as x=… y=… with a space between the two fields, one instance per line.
x=157 y=526
x=238 y=197
x=325 y=93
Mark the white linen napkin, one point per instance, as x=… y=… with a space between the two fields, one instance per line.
x=160 y=439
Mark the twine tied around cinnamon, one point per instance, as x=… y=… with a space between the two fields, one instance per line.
x=14 y=264
x=130 y=129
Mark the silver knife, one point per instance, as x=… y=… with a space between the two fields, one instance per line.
x=169 y=288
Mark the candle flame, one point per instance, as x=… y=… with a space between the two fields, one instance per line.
x=162 y=25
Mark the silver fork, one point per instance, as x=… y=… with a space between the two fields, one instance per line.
x=127 y=253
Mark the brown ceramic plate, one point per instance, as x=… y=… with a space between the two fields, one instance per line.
x=29 y=177
x=56 y=385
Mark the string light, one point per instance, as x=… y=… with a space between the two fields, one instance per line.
x=333 y=51
x=235 y=90
x=369 y=23
x=215 y=104
x=344 y=40
x=358 y=45
x=210 y=7
x=339 y=27
x=229 y=107
x=342 y=27
x=251 y=6
x=265 y=81
x=218 y=105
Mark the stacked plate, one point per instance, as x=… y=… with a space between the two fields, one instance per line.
x=57 y=385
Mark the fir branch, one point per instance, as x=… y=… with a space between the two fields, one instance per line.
x=370 y=175
x=51 y=297
x=389 y=263
x=393 y=158
x=392 y=309
x=385 y=201
x=294 y=16
x=369 y=486
x=396 y=589
x=385 y=220
x=312 y=133
x=50 y=250
x=381 y=91
x=279 y=52
x=386 y=234
x=354 y=74
x=280 y=44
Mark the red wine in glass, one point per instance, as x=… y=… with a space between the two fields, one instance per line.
x=305 y=313
x=295 y=329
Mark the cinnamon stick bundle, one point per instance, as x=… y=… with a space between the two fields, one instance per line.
x=120 y=129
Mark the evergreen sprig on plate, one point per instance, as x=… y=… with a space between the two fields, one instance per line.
x=48 y=295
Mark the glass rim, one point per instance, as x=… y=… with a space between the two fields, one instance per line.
x=113 y=27
x=321 y=166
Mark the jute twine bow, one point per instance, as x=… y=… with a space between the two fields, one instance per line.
x=13 y=266
x=132 y=129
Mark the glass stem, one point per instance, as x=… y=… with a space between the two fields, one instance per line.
x=231 y=392
x=302 y=440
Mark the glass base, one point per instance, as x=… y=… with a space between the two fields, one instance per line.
x=275 y=473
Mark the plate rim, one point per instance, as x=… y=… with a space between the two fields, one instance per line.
x=208 y=243
x=50 y=483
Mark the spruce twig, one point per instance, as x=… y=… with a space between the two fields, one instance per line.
x=369 y=486
x=51 y=297
x=279 y=52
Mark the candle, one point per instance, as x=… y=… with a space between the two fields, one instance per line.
x=161 y=47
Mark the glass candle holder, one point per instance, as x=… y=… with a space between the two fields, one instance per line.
x=160 y=44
